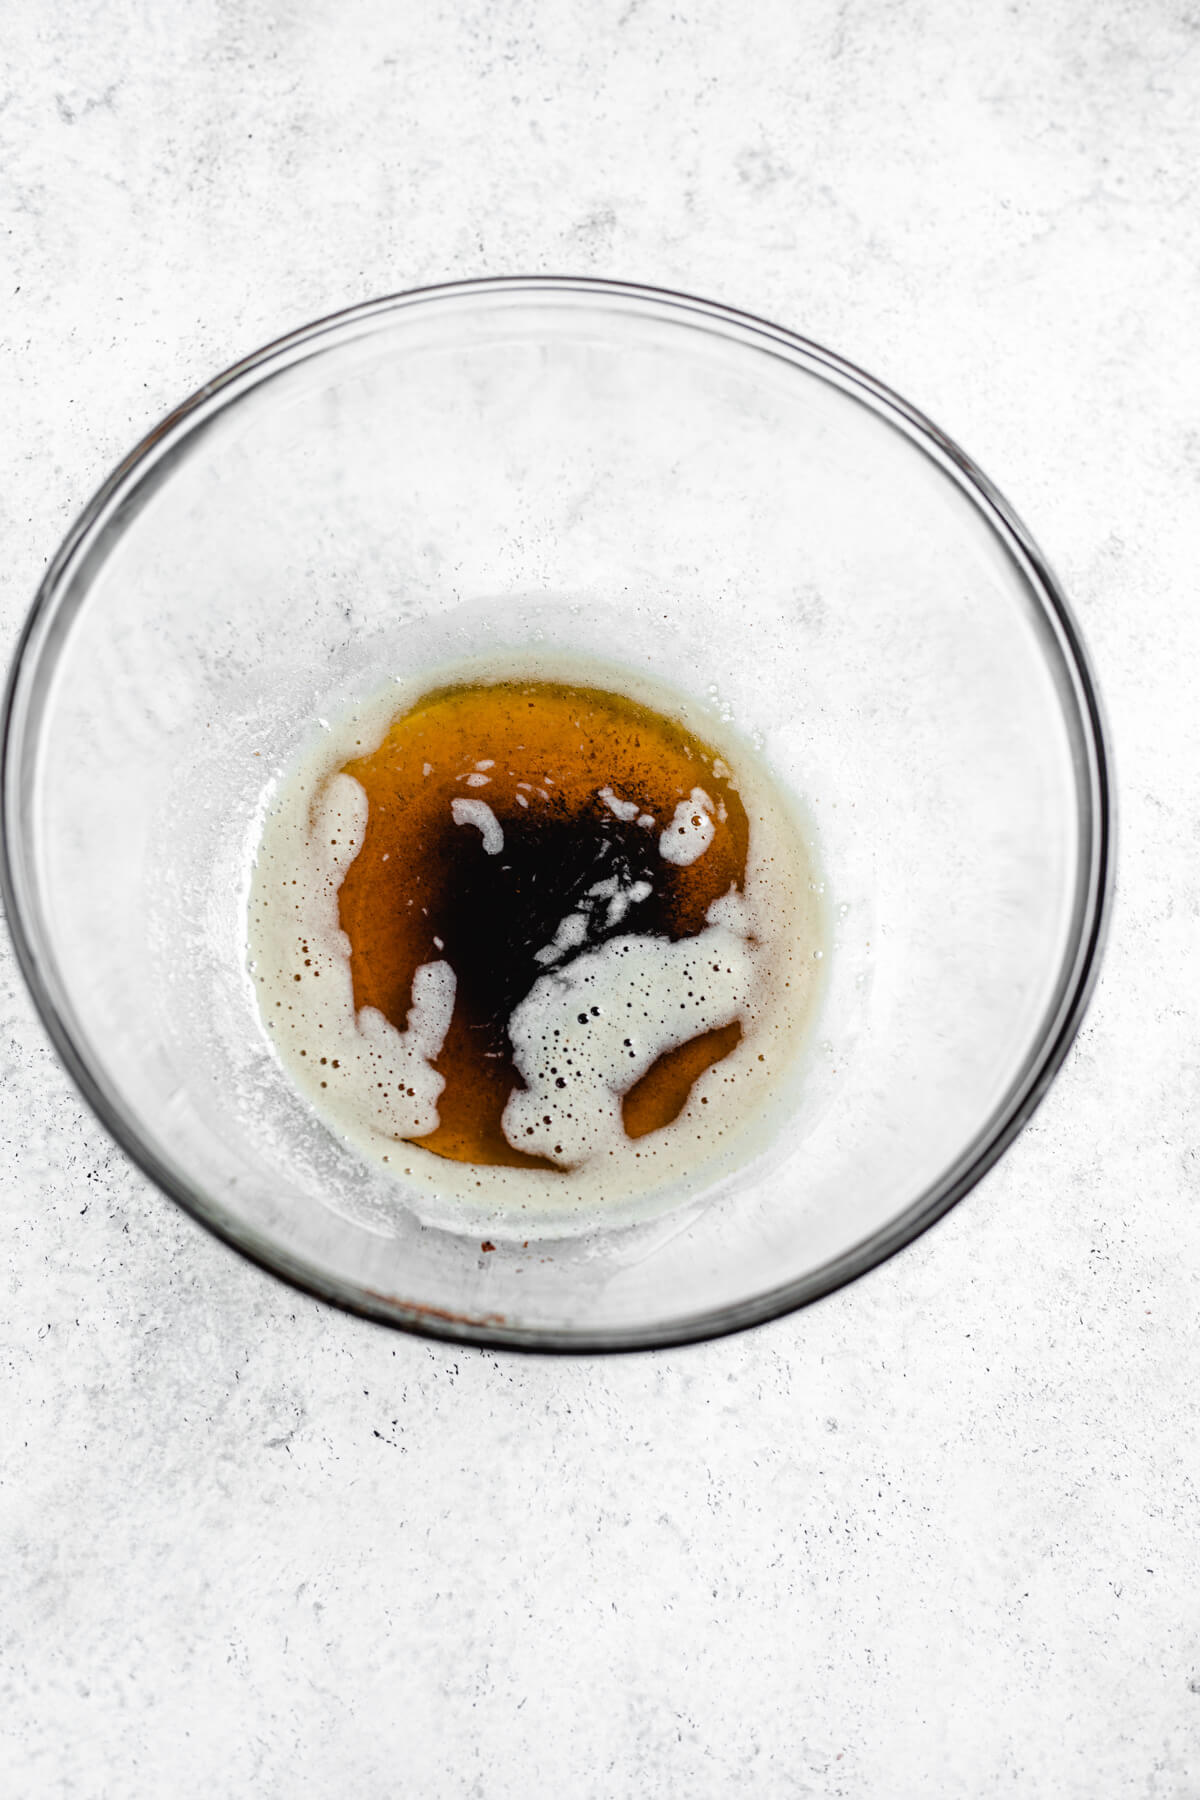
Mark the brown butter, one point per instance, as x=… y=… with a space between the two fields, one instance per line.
x=424 y=889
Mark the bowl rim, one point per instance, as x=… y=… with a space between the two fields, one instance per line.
x=35 y=655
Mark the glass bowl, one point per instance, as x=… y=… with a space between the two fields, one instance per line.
x=557 y=465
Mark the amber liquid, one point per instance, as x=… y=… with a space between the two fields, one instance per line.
x=425 y=889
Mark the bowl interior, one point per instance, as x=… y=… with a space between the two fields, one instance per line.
x=541 y=470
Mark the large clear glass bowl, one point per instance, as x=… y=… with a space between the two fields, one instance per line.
x=590 y=466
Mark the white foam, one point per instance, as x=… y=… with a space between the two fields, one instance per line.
x=572 y=931
x=619 y=896
x=585 y=1034
x=690 y=832
x=357 y=1064
x=478 y=812
x=621 y=809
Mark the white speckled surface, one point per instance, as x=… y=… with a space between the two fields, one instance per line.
x=937 y=1536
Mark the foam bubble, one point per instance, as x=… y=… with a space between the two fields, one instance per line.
x=478 y=812
x=690 y=832
x=620 y=809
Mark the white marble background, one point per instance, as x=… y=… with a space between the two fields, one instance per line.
x=938 y=1536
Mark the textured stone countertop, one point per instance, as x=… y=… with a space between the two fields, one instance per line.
x=937 y=1536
